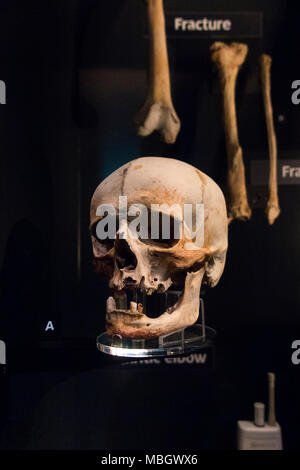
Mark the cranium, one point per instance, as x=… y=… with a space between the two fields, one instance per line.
x=141 y=266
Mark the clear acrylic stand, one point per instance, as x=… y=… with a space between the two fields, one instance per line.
x=184 y=341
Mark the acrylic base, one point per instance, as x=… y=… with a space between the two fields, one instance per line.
x=184 y=341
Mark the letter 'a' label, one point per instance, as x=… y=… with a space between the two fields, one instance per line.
x=49 y=326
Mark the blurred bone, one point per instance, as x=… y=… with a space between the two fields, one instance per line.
x=158 y=112
x=228 y=59
x=272 y=209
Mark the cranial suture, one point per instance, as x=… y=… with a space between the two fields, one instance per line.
x=138 y=266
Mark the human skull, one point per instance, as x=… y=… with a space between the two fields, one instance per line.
x=140 y=266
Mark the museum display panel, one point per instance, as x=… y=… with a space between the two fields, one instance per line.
x=150 y=208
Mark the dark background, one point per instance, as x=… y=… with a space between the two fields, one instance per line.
x=75 y=73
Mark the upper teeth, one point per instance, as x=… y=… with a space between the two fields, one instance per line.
x=118 y=304
x=149 y=291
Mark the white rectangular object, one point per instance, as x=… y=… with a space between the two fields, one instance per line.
x=252 y=437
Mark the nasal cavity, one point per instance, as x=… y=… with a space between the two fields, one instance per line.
x=125 y=258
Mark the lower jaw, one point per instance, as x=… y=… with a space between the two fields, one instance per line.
x=143 y=327
x=136 y=324
x=143 y=320
x=146 y=328
x=129 y=332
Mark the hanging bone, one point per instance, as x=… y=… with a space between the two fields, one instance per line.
x=272 y=209
x=158 y=113
x=228 y=59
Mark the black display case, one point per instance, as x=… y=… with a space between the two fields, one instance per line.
x=75 y=75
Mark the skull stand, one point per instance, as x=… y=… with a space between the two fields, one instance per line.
x=184 y=341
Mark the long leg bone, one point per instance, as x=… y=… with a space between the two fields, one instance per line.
x=158 y=112
x=272 y=209
x=228 y=59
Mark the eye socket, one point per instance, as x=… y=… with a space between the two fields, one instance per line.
x=163 y=232
x=163 y=243
x=105 y=245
